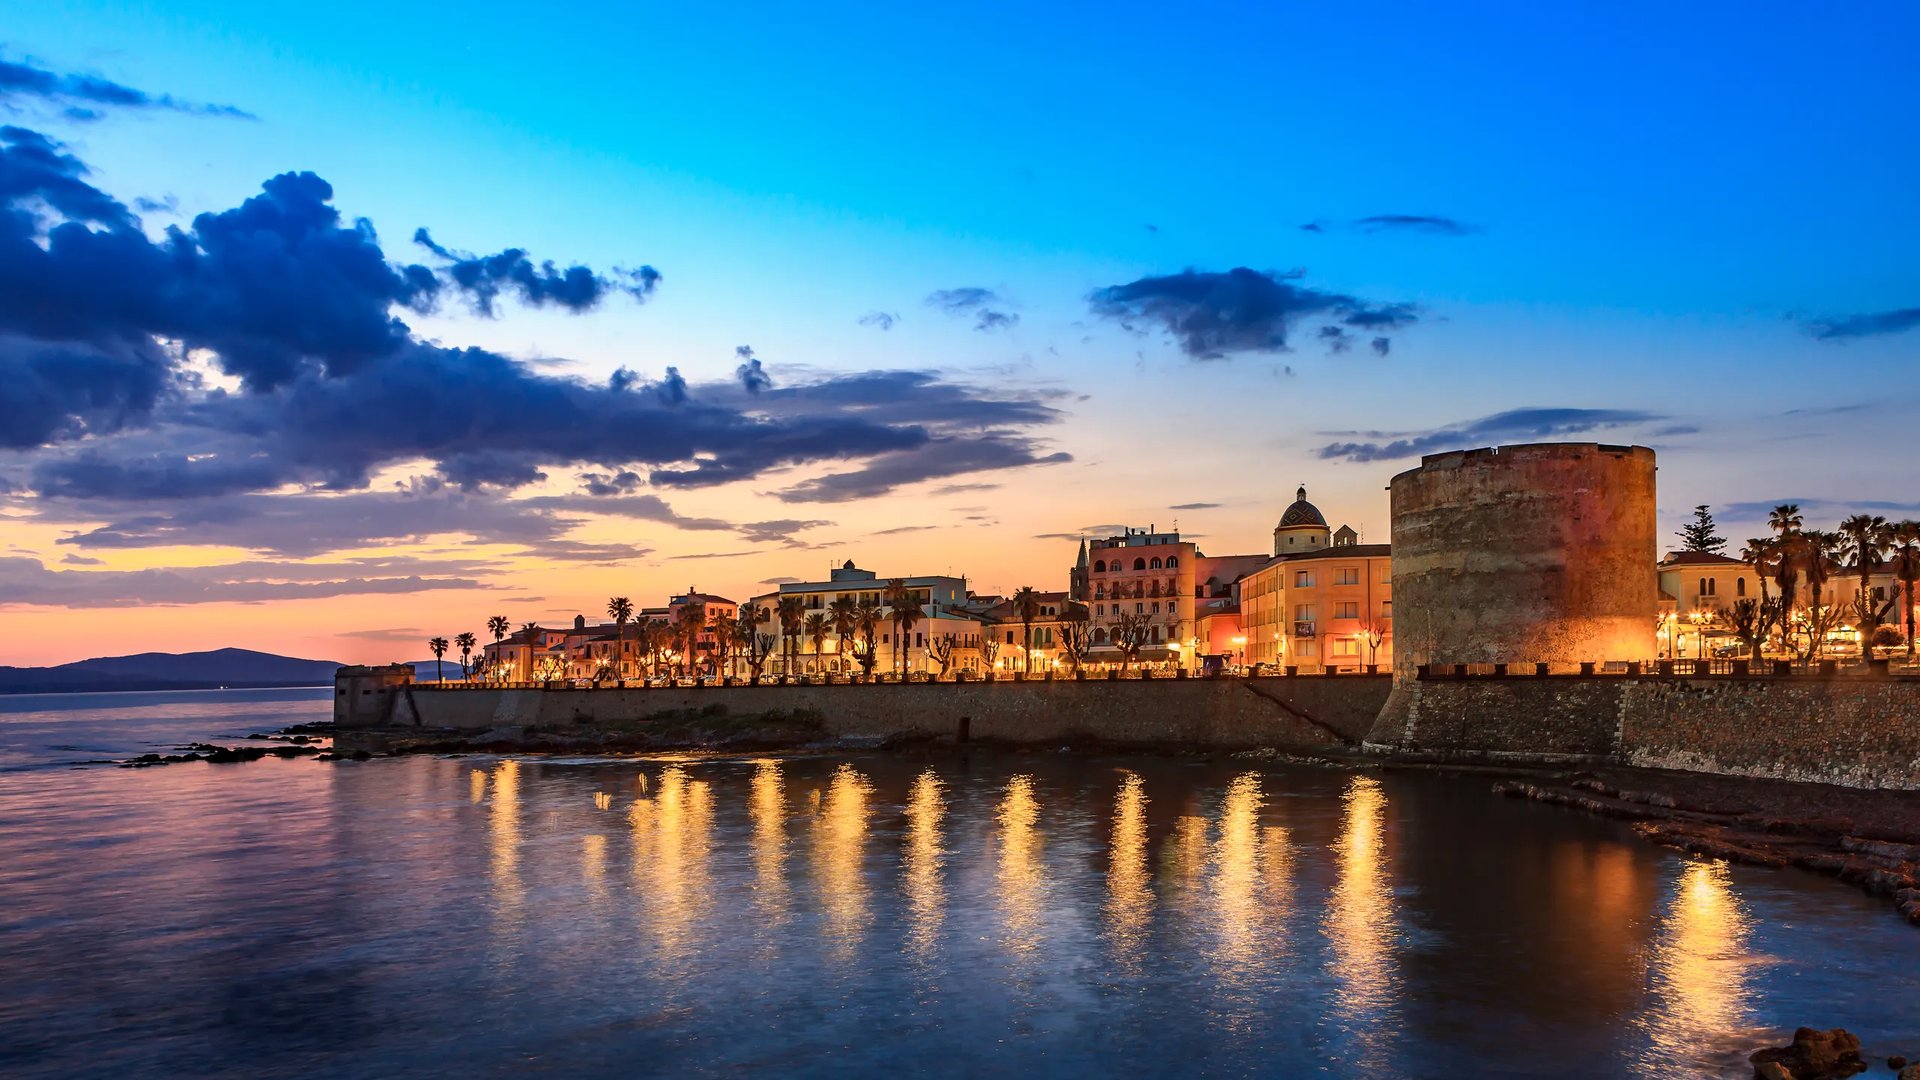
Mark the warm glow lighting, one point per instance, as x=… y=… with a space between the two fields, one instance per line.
x=1129 y=886
x=1021 y=871
x=926 y=894
x=769 y=809
x=840 y=839
x=1359 y=919
x=1703 y=985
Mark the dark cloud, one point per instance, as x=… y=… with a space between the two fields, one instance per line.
x=1514 y=424
x=938 y=459
x=624 y=482
x=577 y=551
x=1215 y=314
x=1335 y=338
x=778 y=531
x=1085 y=532
x=1424 y=223
x=976 y=303
x=80 y=94
x=483 y=277
x=753 y=378
x=961 y=489
x=25 y=581
x=780 y=581
x=882 y=319
x=899 y=530
x=1313 y=227
x=1813 y=507
x=1382 y=346
x=1847 y=327
x=71 y=559
x=1196 y=506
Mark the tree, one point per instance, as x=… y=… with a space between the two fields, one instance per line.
x=1864 y=539
x=1026 y=604
x=688 y=621
x=867 y=616
x=497 y=626
x=1076 y=635
x=1747 y=619
x=817 y=628
x=531 y=631
x=1698 y=534
x=620 y=609
x=721 y=627
x=792 y=612
x=1373 y=633
x=940 y=648
x=1131 y=632
x=894 y=595
x=1820 y=554
x=465 y=641
x=753 y=644
x=438 y=646
x=845 y=612
x=1906 y=568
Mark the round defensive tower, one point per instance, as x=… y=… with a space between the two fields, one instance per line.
x=1540 y=553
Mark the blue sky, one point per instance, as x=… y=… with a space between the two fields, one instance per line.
x=1651 y=205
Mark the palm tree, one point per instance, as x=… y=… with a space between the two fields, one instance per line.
x=497 y=626
x=817 y=629
x=867 y=616
x=1820 y=554
x=845 y=612
x=620 y=609
x=905 y=611
x=1865 y=538
x=792 y=612
x=687 y=624
x=465 y=641
x=1026 y=604
x=721 y=627
x=439 y=648
x=746 y=630
x=1905 y=537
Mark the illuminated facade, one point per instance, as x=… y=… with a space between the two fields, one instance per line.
x=1323 y=600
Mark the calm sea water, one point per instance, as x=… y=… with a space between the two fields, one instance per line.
x=865 y=914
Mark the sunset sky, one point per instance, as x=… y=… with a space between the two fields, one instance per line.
x=650 y=296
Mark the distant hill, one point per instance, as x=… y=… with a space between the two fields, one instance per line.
x=169 y=671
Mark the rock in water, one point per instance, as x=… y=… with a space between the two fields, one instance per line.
x=1813 y=1055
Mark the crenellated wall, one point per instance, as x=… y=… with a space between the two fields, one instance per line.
x=1304 y=713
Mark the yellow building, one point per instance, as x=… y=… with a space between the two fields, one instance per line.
x=1323 y=600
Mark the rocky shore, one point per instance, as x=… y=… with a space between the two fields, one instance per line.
x=1866 y=838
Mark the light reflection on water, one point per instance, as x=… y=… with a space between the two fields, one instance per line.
x=1039 y=914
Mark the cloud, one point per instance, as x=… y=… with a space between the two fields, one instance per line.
x=1212 y=314
x=1811 y=506
x=483 y=277
x=1313 y=227
x=882 y=319
x=1424 y=223
x=1499 y=428
x=900 y=530
x=1382 y=346
x=397 y=633
x=1085 y=532
x=1847 y=327
x=72 y=559
x=1196 y=506
x=79 y=94
x=938 y=459
x=25 y=581
x=780 y=581
x=778 y=531
x=753 y=378
x=624 y=482
x=578 y=551
x=961 y=489
x=975 y=302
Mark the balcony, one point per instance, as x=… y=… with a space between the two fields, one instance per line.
x=1303 y=629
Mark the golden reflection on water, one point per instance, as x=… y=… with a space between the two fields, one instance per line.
x=769 y=809
x=593 y=865
x=477 y=785
x=839 y=841
x=926 y=893
x=1699 y=964
x=503 y=823
x=671 y=837
x=1129 y=883
x=1359 y=918
x=1022 y=874
x=1238 y=911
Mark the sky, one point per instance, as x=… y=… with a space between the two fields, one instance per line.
x=327 y=329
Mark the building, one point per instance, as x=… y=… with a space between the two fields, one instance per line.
x=1002 y=633
x=1323 y=600
x=1146 y=574
x=941 y=600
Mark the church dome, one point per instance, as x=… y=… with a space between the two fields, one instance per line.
x=1302 y=514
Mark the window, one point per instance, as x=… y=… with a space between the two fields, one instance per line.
x=1099 y=635
x=1303 y=613
x=1739 y=586
x=1302 y=578
x=1099 y=566
x=1009 y=637
x=1173 y=561
x=1099 y=609
x=1347 y=575
x=1156 y=607
x=1386 y=609
x=1305 y=648
x=1139 y=564
x=1139 y=609
x=1346 y=647
x=1347 y=609
x=1879 y=592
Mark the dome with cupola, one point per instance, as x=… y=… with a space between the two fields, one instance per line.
x=1302 y=527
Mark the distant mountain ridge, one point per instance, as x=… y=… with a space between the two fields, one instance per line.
x=169 y=671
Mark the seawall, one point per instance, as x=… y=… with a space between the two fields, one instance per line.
x=1299 y=713
x=1852 y=730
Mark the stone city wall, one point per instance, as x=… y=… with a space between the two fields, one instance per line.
x=1852 y=730
x=1300 y=712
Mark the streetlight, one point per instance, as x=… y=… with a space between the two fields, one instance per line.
x=1700 y=619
